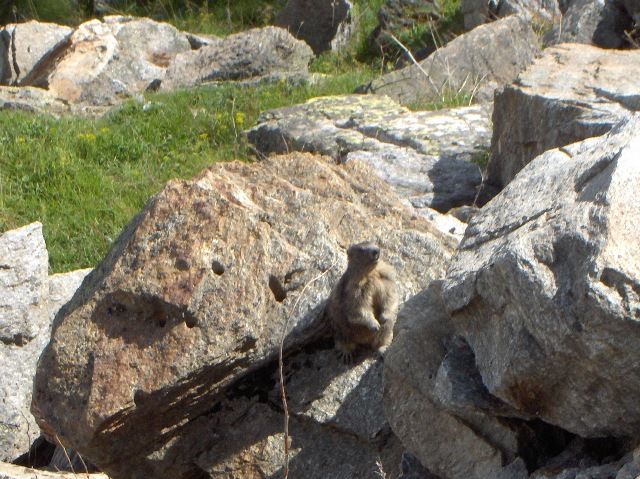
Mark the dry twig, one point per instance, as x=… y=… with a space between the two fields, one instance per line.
x=281 y=368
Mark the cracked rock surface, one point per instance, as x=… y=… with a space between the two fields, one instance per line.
x=427 y=157
x=476 y=62
x=193 y=297
x=572 y=92
x=29 y=300
x=545 y=287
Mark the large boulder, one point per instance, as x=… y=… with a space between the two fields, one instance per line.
x=27 y=50
x=540 y=12
x=195 y=294
x=427 y=157
x=544 y=287
x=570 y=93
x=322 y=25
x=475 y=63
x=436 y=403
x=261 y=52
x=592 y=22
x=29 y=299
x=23 y=327
x=115 y=58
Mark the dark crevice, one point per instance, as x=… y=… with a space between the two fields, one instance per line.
x=279 y=293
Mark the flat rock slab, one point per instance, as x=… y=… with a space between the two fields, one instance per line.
x=570 y=93
x=544 y=287
x=427 y=157
x=476 y=62
x=195 y=293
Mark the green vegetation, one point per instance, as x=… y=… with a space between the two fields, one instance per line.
x=447 y=99
x=482 y=159
x=84 y=179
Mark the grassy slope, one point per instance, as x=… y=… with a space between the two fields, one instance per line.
x=85 y=179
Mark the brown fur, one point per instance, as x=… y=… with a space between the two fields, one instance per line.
x=363 y=306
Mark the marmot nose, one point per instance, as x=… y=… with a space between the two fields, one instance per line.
x=375 y=254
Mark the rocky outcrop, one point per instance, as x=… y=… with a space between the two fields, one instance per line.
x=337 y=426
x=544 y=287
x=436 y=403
x=262 y=52
x=322 y=25
x=570 y=93
x=29 y=49
x=592 y=22
x=427 y=157
x=29 y=299
x=537 y=12
x=477 y=63
x=193 y=297
x=114 y=59
x=23 y=332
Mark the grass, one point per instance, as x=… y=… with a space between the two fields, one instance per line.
x=84 y=179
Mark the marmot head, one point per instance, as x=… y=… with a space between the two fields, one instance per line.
x=363 y=256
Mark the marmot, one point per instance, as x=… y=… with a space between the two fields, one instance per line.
x=363 y=306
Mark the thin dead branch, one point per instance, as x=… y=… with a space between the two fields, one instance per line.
x=281 y=367
x=414 y=61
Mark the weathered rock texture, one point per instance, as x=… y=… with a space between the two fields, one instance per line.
x=337 y=426
x=592 y=22
x=570 y=93
x=194 y=296
x=323 y=25
x=115 y=58
x=261 y=52
x=537 y=12
x=477 y=62
x=29 y=49
x=437 y=405
x=545 y=285
x=23 y=326
x=29 y=299
x=425 y=156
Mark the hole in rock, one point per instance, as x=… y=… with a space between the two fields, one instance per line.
x=279 y=293
x=217 y=267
